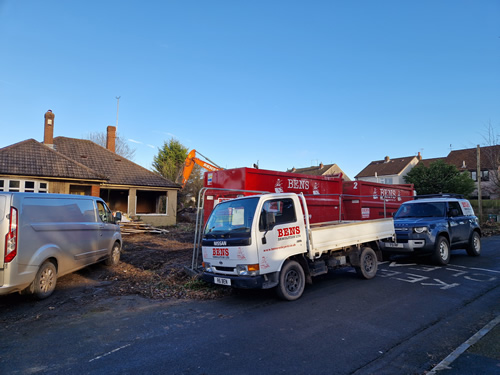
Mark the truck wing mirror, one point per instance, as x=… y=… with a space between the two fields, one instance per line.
x=118 y=217
x=269 y=223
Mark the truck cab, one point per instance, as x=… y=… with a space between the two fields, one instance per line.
x=246 y=240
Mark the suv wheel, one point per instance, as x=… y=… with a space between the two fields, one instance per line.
x=474 y=246
x=441 y=254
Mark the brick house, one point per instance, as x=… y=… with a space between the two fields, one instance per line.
x=466 y=160
x=78 y=166
x=389 y=171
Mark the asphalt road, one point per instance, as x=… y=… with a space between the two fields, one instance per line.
x=404 y=321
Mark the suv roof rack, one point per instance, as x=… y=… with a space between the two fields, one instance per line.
x=425 y=196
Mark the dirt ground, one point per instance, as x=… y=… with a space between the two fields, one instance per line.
x=151 y=266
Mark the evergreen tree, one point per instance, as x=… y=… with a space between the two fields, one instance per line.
x=170 y=159
x=440 y=177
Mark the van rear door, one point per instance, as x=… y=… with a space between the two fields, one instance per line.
x=4 y=227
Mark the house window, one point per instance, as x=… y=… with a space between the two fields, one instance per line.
x=28 y=186
x=43 y=187
x=485 y=175
x=14 y=185
x=151 y=202
x=116 y=199
x=386 y=180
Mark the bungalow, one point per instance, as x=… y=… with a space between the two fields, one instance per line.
x=78 y=166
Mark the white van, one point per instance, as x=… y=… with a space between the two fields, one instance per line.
x=44 y=236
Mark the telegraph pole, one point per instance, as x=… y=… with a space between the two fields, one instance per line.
x=117 y=110
x=479 y=192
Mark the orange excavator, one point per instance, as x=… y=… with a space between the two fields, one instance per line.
x=190 y=162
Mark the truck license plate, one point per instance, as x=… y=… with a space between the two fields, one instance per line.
x=396 y=245
x=222 y=281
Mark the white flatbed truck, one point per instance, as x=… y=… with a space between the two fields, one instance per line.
x=266 y=241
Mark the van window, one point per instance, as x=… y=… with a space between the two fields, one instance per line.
x=104 y=213
x=46 y=210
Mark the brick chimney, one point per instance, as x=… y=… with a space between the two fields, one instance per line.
x=387 y=159
x=111 y=138
x=48 y=131
x=419 y=156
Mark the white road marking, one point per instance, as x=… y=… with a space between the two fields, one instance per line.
x=108 y=353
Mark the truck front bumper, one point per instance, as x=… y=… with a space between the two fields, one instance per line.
x=245 y=282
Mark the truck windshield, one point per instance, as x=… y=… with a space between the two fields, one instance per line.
x=232 y=217
x=435 y=209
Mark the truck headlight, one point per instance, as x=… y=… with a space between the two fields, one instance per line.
x=207 y=266
x=247 y=269
x=420 y=229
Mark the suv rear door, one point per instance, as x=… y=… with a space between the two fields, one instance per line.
x=459 y=223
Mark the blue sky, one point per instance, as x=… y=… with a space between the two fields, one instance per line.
x=279 y=83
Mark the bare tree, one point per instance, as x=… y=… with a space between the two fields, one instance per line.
x=121 y=147
x=490 y=155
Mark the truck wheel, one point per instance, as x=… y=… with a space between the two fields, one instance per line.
x=292 y=281
x=441 y=254
x=368 y=264
x=114 y=257
x=45 y=280
x=474 y=246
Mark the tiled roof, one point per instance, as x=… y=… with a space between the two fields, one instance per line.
x=386 y=168
x=32 y=158
x=317 y=170
x=118 y=170
x=427 y=162
x=467 y=159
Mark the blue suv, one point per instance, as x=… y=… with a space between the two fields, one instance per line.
x=435 y=225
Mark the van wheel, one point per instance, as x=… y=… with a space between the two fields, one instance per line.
x=292 y=281
x=368 y=264
x=114 y=257
x=441 y=254
x=45 y=280
x=474 y=246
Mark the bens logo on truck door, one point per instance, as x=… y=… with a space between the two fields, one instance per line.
x=287 y=233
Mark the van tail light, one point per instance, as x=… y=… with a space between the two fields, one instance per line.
x=11 y=237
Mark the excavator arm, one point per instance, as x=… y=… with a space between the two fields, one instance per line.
x=191 y=160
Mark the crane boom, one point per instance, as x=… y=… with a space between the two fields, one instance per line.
x=191 y=160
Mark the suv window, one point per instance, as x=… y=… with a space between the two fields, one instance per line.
x=433 y=209
x=454 y=209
